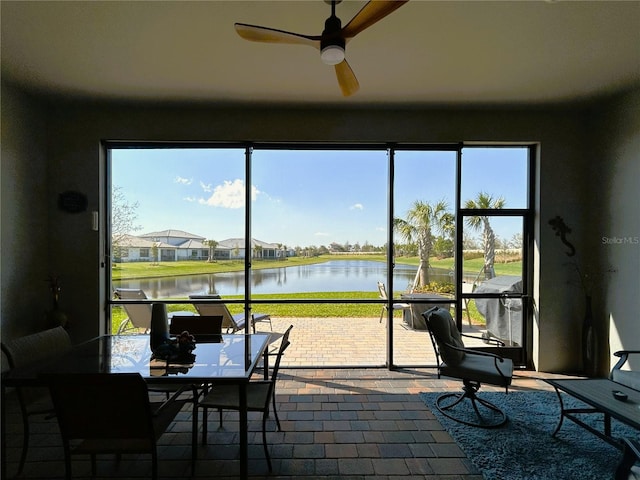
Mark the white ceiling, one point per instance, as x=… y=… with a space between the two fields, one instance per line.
x=426 y=52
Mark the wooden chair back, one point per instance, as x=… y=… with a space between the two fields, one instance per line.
x=202 y=327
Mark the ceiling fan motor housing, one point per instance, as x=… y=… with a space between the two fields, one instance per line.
x=331 y=35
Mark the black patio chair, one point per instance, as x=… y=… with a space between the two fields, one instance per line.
x=473 y=367
x=33 y=401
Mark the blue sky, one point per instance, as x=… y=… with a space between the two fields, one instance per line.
x=302 y=197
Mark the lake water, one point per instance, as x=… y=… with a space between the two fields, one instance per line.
x=332 y=276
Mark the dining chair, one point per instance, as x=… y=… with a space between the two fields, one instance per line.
x=100 y=413
x=203 y=327
x=21 y=352
x=259 y=394
x=382 y=294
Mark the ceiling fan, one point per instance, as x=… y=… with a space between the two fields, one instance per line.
x=333 y=39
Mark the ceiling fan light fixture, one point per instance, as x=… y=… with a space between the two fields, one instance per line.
x=332 y=54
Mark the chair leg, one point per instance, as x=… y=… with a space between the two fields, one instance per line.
x=154 y=463
x=194 y=435
x=275 y=412
x=67 y=460
x=205 y=419
x=220 y=415
x=25 y=439
x=466 y=309
x=123 y=326
x=94 y=467
x=264 y=439
x=469 y=392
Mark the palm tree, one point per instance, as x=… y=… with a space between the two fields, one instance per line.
x=422 y=222
x=485 y=201
x=212 y=244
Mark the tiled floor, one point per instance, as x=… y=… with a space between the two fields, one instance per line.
x=337 y=424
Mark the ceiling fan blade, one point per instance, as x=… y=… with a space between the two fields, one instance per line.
x=256 y=33
x=346 y=79
x=372 y=12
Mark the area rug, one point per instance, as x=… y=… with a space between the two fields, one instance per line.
x=523 y=449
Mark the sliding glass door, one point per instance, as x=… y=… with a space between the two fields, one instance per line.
x=307 y=234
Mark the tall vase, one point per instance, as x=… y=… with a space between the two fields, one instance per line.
x=588 y=340
x=56 y=317
x=159 y=333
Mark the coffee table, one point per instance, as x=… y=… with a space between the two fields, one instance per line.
x=598 y=394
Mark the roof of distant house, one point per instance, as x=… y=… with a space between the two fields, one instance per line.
x=138 y=242
x=192 y=244
x=172 y=234
x=239 y=243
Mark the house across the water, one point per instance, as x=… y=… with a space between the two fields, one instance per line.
x=178 y=245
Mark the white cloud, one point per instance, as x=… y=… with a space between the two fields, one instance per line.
x=189 y=199
x=356 y=206
x=183 y=181
x=321 y=234
x=228 y=195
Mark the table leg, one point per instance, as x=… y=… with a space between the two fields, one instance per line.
x=3 y=427
x=266 y=364
x=561 y=412
x=244 y=434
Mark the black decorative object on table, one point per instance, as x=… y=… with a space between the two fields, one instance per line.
x=177 y=350
x=159 y=331
x=618 y=395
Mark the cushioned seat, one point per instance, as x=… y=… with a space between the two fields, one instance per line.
x=481 y=369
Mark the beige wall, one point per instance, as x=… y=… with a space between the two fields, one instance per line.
x=615 y=223
x=24 y=263
x=74 y=162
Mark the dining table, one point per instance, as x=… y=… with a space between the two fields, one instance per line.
x=221 y=359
